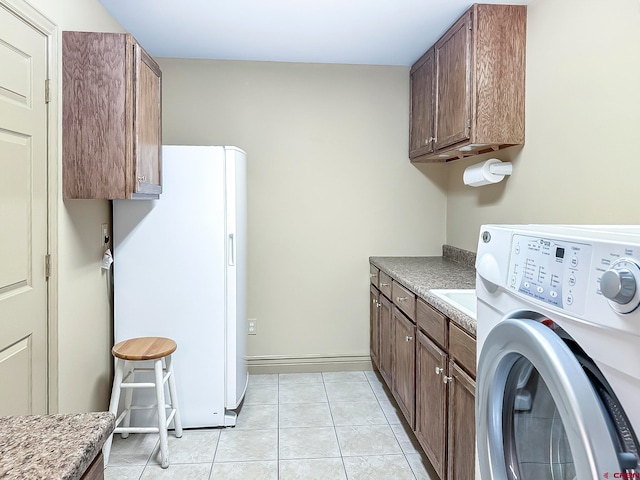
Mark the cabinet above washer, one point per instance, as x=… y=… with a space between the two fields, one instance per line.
x=467 y=91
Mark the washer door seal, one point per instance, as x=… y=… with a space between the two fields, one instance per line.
x=577 y=403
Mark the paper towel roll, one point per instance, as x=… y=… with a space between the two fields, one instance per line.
x=485 y=173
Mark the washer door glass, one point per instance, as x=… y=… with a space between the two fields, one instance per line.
x=536 y=443
x=538 y=416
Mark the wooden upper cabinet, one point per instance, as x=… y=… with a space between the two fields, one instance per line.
x=453 y=84
x=478 y=97
x=112 y=117
x=422 y=106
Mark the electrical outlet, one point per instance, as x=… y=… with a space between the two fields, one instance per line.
x=105 y=238
x=252 y=326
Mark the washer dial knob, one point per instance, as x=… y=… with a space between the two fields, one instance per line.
x=620 y=286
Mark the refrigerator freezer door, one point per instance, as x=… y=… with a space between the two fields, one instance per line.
x=169 y=276
x=236 y=281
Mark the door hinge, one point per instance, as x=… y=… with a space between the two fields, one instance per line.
x=47 y=266
x=46 y=91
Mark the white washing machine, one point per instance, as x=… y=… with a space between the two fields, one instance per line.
x=558 y=375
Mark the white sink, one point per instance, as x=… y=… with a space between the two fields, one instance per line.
x=462 y=299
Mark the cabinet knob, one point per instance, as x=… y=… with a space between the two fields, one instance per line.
x=429 y=140
x=142 y=178
x=400 y=299
x=378 y=304
x=439 y=370
x=446 y=379
x=409 y=338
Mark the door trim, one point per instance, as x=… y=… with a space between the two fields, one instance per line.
x=50 y=30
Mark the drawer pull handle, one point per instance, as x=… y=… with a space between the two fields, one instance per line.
x=439 y=370
x=446 y=379
x=372 y=275
x=384 y=284
x=409 y=338
x=400 y=299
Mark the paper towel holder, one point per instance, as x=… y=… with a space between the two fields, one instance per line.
x=486 y=173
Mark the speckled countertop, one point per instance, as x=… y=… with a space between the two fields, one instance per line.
x=422 y=274
x=51 y=447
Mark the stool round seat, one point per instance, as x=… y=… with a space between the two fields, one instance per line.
x=144 y=348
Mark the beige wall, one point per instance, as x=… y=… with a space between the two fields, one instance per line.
x=329 y=184
x=84 y=311
x=580 y=162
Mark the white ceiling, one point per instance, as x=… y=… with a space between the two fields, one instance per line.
x=376 y=32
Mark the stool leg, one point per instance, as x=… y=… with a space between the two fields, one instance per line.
x=113 y=405
x=162 y=415
x=177 y=423
x=128 y=394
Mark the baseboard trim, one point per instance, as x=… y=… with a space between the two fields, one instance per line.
x=308 y=363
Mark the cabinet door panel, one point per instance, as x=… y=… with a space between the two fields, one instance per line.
x=147 y=125
x=462 y=348
x=422 y=105
x=374 y=327
x=453 y=84
x=431 y=402
x=374 y=275
x=94 y=115
x=462 y=425
x=385 y=355
x=404 y=387
x=404 y=299
x=432 y=322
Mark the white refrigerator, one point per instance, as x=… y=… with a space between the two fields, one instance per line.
x=180 y=269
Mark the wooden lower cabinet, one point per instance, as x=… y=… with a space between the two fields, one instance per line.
x=385 y=356
x=428 y=363
x=431 y=402
x=95 y=471
x=374 y=324
x=462 y=426
x=404 y=387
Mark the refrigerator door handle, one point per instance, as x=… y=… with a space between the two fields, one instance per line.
x=232 y=250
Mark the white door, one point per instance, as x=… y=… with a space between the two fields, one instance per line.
x=23 y=217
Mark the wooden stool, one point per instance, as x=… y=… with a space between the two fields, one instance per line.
x=127 y=353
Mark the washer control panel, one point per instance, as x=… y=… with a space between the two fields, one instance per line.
x=552 y=271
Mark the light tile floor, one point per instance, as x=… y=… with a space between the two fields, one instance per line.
x=292 y=426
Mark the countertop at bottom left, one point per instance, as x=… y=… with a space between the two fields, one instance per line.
x=51 y=447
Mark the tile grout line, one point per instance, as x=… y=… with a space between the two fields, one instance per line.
x=394 y=433
x=335 y=431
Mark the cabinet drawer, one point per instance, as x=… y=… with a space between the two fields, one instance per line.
x=432 y=322
x=385 y=284
x=404 y=299
x=374 y=275
x=462 y=348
